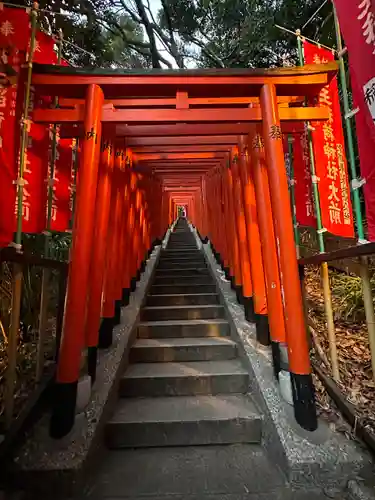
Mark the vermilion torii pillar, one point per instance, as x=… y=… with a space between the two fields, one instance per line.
x=299 y=361
x=109 y=312
x=73 y=337
x=257 y=171
x=99 y=251
x=247 y=194
x=232 y=235
x=247 y=286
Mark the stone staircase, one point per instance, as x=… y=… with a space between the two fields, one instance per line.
x=185 y=427
x=185 y=384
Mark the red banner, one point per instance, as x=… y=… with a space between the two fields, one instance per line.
x=61 y=189
x=330 y=158
x=14 y=28
x=37 y=160
x=357 y=20
x=9 y=131
x=14 y=42
x=305 y=212
x=44 y=49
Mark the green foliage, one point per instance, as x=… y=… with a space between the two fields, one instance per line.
x=348 y=297
x=206 y=33
x=243 y=33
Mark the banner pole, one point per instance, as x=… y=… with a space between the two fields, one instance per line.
x=320 y=233
x=348 y=128
x=293 y=193
x=364 y=271
x=25 y=128
x=51 y=179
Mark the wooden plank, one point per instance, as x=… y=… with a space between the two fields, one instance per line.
x=181 y=142
x=204 y=115
x=344 y=253
x=204 y=155
x=65 y=102
x=305 y=75
x=214 y=148
x=9 y=254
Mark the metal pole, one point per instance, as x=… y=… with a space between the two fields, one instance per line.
x=320 y=231
x=24 y=127
x=364 y=271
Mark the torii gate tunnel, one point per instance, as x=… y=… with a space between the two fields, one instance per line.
x=210 y=141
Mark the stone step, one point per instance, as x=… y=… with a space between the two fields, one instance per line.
x=184 y=379
x=184 y=421
x=182 y=300
x=180 y=252
x=176 y=256
x=186 y=288
x=181 y=328
x=181 y=246
x=183 y=280
x=181 y=241
x=175 y=264
x=200 y=271
x=182 y=349
x=166 y=313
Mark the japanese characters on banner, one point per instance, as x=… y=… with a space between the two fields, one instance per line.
x=61 y=203
x=9 y=133
x=330 y=158
x=14 y=43
x=37 y=153
x=305 y=210
x=15 y=29
x=357 y=21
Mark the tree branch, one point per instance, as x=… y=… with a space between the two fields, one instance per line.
x=155 y=56
x=173 y=44
x=213 y=57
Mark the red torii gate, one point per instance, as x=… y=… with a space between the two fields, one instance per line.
x=214 y=136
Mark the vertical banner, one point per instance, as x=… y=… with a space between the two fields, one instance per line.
x=35 y=176
x=357 y=21
x=61 y=206
x=330 y=157
x=15 y=29
x=9 y=132
x=14 y=37
x=305 y=210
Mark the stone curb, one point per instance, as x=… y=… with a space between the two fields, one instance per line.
x=322 y=458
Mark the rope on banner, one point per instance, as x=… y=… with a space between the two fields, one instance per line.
x=314 y=15
x=298 y=33
x=79 y=48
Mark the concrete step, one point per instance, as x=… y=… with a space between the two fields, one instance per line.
x=166 y=313
x=182 y=349
x=183 y=280
x=176 y=256
x=172 y=263
x=170 y=288
x=175 y=264
x=182 y=300
x=184 y=421
x=202 y=271
x=181 y=246
x=183 y=328
x=180 y=252
x=191 y=378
